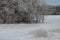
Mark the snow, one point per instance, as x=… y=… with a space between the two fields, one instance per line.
x=39 y=31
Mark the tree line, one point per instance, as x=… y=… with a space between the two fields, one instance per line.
x=18 y=11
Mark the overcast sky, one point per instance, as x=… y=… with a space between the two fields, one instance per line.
x=53 y=2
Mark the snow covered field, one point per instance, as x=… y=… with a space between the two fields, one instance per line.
x=50 y=30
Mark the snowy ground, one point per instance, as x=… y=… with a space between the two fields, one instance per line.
x=50 y=30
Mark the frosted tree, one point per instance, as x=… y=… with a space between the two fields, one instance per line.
x=18 y=11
